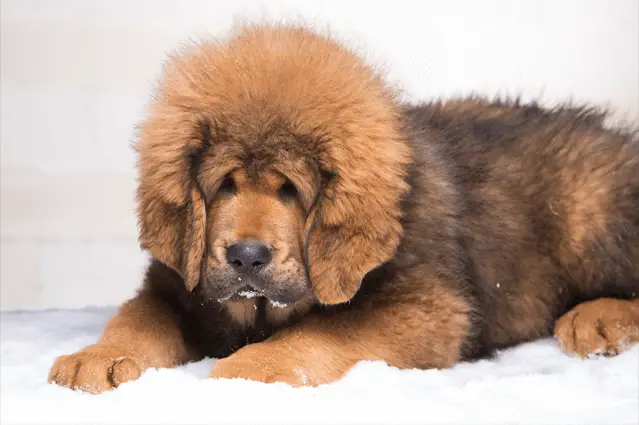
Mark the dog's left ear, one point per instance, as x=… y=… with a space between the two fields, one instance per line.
x=355 y=225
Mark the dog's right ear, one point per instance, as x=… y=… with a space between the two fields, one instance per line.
x=175 y=235
x=170 y=207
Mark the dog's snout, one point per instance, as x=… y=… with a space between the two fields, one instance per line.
x=246 y=257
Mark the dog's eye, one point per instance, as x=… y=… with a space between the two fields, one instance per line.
x=227 y=187
x=288 y=191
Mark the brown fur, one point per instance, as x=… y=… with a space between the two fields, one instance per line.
x=419 y=235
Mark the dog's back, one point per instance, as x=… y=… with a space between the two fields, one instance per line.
x=549 y=208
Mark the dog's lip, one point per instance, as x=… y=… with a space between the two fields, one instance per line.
x=242 y=293
x=247 y=292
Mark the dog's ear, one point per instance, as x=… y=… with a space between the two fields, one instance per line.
x=355 y=225
x=175 y=235
x=170 y=207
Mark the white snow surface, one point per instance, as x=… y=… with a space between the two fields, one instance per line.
x=533 y=383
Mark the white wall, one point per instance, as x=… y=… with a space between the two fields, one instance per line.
x=76 y=73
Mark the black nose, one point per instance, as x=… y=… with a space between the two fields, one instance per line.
x=247 y=257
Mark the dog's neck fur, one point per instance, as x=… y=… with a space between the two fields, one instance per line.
x=259 y=312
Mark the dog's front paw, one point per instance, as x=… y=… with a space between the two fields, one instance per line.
x=95 y=369
x=262 y=362
x=295 y=364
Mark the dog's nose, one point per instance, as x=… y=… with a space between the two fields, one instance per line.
x=246 y=257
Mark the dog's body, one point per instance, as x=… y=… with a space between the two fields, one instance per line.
x=301 y=220
x=546 y=212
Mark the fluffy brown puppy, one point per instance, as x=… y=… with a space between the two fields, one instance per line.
x=300 y=219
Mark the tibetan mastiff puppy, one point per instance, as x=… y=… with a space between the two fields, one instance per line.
x=301 y=218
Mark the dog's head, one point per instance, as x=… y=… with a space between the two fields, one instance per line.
x=272 y=163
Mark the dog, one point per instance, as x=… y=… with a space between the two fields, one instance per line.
x=301 y=218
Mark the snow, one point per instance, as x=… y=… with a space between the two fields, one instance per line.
x=277 y=304
x=247 y=294
x=533 y=383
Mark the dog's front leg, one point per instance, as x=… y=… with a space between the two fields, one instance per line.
x=418 y=332
x=144 y=333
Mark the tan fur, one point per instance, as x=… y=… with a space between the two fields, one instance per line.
x=143 y=334
x=243 y=312
x=605 y=326
x=255 y=213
